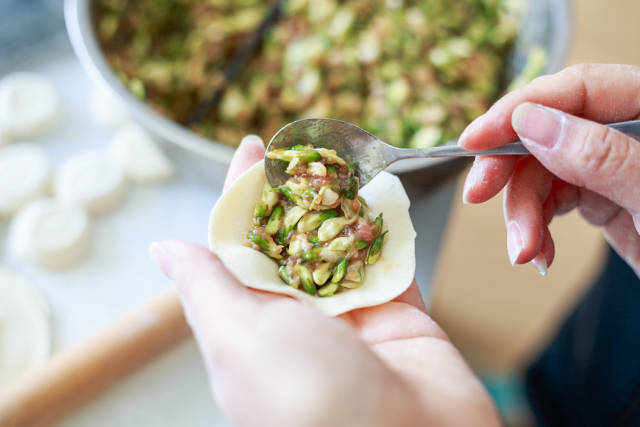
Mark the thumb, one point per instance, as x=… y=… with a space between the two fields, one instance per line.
x=216 y=304
x=583 y=153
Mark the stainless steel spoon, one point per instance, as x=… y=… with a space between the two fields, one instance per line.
x=372 y=155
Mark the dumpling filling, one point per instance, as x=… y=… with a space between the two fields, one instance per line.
x=315 y=226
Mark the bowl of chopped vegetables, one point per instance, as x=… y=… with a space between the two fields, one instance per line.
x=414 y=73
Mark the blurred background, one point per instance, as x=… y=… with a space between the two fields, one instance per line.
x=500 y=316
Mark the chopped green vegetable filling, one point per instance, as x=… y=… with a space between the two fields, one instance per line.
x=315 y=225
x=412 y=72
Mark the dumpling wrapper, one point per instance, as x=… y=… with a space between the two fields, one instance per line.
x=231 y=219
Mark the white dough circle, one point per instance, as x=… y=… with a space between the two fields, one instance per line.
x=25 y=334
x=92 y=180
x=106 y=109
x=29 y=105
x=389 y=277
x=50 y=233
x=138 y=155
x=25 y=174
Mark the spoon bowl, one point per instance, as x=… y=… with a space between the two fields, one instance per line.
x=348 y=140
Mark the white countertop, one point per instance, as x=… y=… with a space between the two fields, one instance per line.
x=118 y=276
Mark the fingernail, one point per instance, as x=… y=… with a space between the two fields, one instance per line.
x=470 y=181
x=514 y=241
x=252 y=140
x=465 y=201
x=540 y=263
x=467 y=131
x=160 y=256
x=538 y=125
x=636 y=222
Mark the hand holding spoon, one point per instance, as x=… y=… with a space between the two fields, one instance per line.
x=372 y=155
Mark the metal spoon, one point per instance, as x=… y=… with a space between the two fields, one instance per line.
x=372 y=155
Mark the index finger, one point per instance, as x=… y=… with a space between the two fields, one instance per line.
x=601 y=92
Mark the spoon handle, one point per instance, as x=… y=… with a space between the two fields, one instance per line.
x=511 y=149
x=630 y=128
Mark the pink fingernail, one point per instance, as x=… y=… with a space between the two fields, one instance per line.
x=538 y=125
x=465 y=200
x=159 y=255
x=470 y=181
x=252 y=140
x=467 y=131
x=540 y=263
x=514 y=241
x=636 y=222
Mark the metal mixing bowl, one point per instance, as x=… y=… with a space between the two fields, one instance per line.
x=545 y=23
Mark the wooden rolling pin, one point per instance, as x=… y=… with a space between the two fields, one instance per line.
x=75 y=376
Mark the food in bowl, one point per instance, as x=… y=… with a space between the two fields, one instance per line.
x=412 y=72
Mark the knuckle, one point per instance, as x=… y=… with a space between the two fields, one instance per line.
x=597 y=210
x=579 y=69
x=186 y=281
x=542 y=80
x=603 y=151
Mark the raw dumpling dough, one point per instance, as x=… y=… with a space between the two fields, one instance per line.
x=25 y=336
x=106 y=109
x=29 y=105
x=138 y=155
x=92 y=180
x=25 y=174
x=50 y=233
x=386 y=279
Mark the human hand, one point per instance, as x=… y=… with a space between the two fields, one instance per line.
x=275 y=361
x=576 y=163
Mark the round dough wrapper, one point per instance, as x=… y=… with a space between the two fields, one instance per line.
x=106 y=109
x=91 y=179
x=135 y=151
x=29 y=105
x=231 y=218
x=50 y=233
x=25 y=174
x=25 y=335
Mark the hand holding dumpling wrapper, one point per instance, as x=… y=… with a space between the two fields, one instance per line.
x=335 y=231
x=262 y=348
